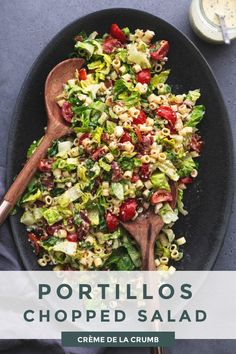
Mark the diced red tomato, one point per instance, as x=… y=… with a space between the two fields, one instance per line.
x=128 y=209
x=82 y=74
x=33 y=239
x=144 y=172
x=186 y=180
x=109 y=44
x=196 y=143
x=167 y=113
x=134 y=178
x=117 y=33
x=84 y=136
x=112 y=222
x=98 y=153
x=143 y=76
x=171 y=128
x=139 y=134
x=161 y=196
x=67 y=111
x=72 y=237
x=161 y=52
x=45 y=165
x=125 y=137
x=141 y=119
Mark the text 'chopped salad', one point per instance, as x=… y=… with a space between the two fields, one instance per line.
x=133 y=148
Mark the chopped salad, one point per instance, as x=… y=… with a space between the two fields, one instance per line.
x=134 y=147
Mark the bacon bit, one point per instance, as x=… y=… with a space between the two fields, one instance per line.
x=33 y=239
x=98 y=153
x=84 y=136
x=110 y=43
x=78 y=38
x=108 y=83
x=145 y=172
x=196 y=143
x=186 y=180
x=116 y=172
x=139 y=134
x=105 y=138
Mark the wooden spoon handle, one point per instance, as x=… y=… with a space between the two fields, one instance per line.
x=24 y=177
x=147 y=257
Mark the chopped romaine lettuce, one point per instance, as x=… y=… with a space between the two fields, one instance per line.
x=195 y=117
x=168 y=214
x=118 y=190
x=159 y=181
x=160 y=78
x=186 y=166
x=52 y=215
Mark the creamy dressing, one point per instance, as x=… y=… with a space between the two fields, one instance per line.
x=223 y=7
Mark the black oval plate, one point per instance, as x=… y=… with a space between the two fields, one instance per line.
x=209 y=198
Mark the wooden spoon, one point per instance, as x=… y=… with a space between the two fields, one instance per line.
x=56 y=128
x=145 y=230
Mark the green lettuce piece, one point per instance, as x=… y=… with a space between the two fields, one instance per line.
x=167 y=214
x=164 y=89
x=98 y=106
x=132 y=251
x=160 y=78
x=93 y=215
x=101 y=66
x=137 y=57
x=118 y=190
x=169 y=169
x=110 y=127
x=195 y=117
x=69 y=196
x=186 y=166
x=52 y=215
x=97 y=134
x=49 y=243
x=66 y=247
x=130 y=100
x=180 y=203
x=27 y=218
x=125 y=91
x=38 y=213
x=159 y=181
x=81 y=173
x=119 y=260
x=169 y=233
x=104 y=165
x=123 y=86
x=122 y=54
x=193 y=95
x=85 y=49
x=32 y=197
x=33 y=147
x=103 y=237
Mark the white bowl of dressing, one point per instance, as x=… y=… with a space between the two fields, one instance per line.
x=205 y=22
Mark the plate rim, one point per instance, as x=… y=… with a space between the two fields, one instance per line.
x=230 y=190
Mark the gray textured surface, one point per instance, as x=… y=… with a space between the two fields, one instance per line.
x=26 y=26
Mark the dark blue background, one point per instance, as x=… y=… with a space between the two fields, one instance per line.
x=26 y=26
